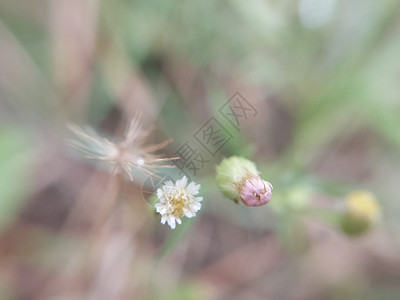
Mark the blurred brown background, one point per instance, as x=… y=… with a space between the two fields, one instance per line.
x=322 y=77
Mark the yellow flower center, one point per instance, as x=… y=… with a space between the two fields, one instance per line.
x=178 y=202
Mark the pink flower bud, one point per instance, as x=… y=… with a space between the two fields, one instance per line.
x=255 y=192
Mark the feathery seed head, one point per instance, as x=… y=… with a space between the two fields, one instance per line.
x=122 y=157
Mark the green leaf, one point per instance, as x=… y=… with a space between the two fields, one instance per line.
x=15 y=158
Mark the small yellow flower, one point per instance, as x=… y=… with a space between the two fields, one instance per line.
x=362 y=212
x=364 y=205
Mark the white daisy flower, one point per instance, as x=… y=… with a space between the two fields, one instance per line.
x=178 y=200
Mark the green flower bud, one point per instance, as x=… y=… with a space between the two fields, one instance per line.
x=362 y=212
x=237 y=178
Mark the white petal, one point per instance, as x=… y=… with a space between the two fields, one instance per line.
x=181 y=183
x=193 y=188
x=179 y=221
x=168 y=183
x=171 y=222
x=161 y=210
x=160 y=193
x=163 y=219
x=195 y=207
x=188 y=213
x=169 y=190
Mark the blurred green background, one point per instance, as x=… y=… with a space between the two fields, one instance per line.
x=324 y=78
